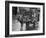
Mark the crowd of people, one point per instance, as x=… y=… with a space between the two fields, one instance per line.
x=26 y=19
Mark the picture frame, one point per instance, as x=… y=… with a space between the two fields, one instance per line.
x=9 y=7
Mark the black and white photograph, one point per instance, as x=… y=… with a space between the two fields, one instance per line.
x=25 y=18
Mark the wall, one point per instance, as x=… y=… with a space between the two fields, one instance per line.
x=2 y=19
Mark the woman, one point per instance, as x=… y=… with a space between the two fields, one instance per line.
x=16 y=25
